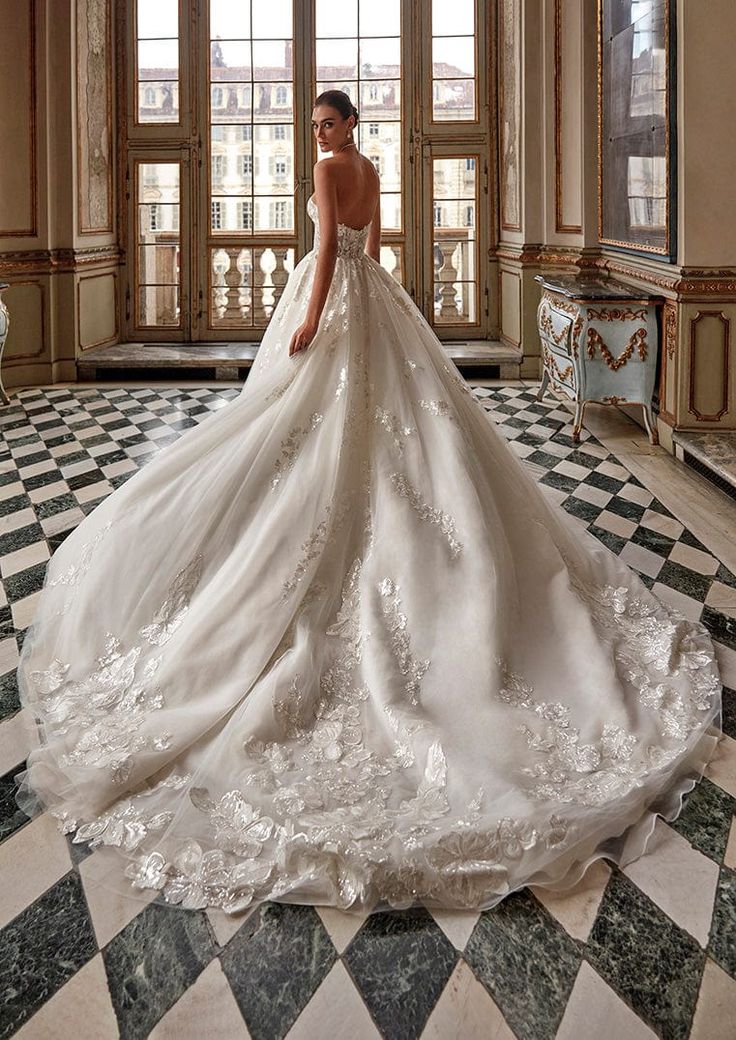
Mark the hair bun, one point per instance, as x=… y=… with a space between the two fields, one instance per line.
x=355 y=112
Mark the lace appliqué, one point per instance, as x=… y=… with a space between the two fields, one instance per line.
x=291 y=445
x=649 y=648
x=409 y=667
x=393 y=425
x=314 y=546
x=402 y=486
x=76 y=571
x=104 y=712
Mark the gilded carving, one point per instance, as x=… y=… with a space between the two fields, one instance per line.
x=562 y=374
x=637 y=342
x=94 y=116
x=617 y=314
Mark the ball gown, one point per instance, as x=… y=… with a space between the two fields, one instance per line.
x=335 y=646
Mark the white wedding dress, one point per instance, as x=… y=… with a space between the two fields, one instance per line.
x=335 y=646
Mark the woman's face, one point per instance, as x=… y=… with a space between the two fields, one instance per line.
x=329 y=127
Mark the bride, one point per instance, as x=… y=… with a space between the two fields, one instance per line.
x=335 y=646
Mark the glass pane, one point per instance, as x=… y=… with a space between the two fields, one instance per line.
x=157 y=20
x=453 y=99
x=230 y=60
x=272 y=59
x=380 y=99
x=455 y=178
x=246 y=284
x=158 y=264
x=340 y=54
x=390 y=211
x=456 y=18
x=229 y=20
x=274 y=214
x=455 y=303
x=157 y=221
x=380 y=18
x=231 y=102
x=453 y=56
x=158 y=305
x=380 y=58
x=158 y=59
x=350 y=88
x=271 y=19
x=392 y=260
x=337 y=19
x=158 y=101
x=158 y=182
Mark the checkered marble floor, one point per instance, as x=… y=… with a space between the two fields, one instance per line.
x=648 y=951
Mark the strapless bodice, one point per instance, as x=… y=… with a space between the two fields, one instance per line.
x=350 y=241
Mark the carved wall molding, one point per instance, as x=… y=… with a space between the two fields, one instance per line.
x=668 y=360
x=115 y=337
x=11 y=360
x=55 y=261
x=695 y=324
x=31 y=231
x=94 y=117
x=561 y=226
x=509 y=49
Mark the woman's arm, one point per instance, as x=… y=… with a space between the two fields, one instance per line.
x=325 y=193
x=373 y=243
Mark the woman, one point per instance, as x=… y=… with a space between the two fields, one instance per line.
x=335 y=646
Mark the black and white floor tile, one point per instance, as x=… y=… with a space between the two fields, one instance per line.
x=645 y=952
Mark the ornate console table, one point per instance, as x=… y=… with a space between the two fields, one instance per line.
x=599 y=343
x=4 y=325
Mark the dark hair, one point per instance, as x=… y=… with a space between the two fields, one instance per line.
x=338 y=99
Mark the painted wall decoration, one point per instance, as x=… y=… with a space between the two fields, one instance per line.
x=510 y=113
x=94 y=116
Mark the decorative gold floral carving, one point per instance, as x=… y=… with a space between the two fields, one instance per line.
x=561 y=374
x=617 y=314
x=637 y=342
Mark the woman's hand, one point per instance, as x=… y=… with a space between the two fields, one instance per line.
x=302 y=337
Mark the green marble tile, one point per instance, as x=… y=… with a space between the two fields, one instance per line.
x=155 y=959
x=646 y=958
x=401 y=962
x=706 y=819
x=527 y=962
x=722 y=944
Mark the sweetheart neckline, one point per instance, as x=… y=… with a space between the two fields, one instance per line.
x=340 y=223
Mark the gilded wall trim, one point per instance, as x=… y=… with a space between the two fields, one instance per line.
x=32 y=230
x=509 y=68
x=94 y=117
x=726 y=345
x=58 y=261
x=560 y=225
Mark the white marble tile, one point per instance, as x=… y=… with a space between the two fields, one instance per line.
x=576 y=910
x=116 y=468
x=24 y=610
x=679 y=879
x=38 y=467
x=62 y=521
x=641 y=559
x=11 y=490
x=666 y=525
x=722 y=767
x=110 y=909
x=47 y=491
x=225 y=926
x=695 y=559
x=597 y=496
x=616 y=524
x=715 y=1012
x=14 y=521
x=634 y=493
x=465 y=1011
x=74 y=468
x=92 y=491
x=28 y=556
x=336 y=1011
x=691 y=608
x=31 y=861
x=571 y=469
x=340 y=925
x=612 y=469
x=595 y=1011
x=726 y=658
x=207 y=1009
x=457 y=925
x=80 y=1010
x=8 y=655
x=722 y=598
x=18 y=735
x=730 y=857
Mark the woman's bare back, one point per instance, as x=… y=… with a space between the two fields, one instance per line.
x=358 y=188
